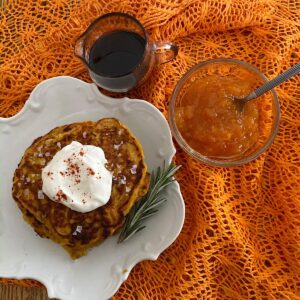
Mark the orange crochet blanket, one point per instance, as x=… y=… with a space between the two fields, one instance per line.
x=241 y=237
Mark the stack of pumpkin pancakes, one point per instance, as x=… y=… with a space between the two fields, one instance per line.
x=76 y=231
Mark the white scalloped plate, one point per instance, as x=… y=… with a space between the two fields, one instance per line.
x=23 y=254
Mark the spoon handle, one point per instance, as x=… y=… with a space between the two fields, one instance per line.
x=274 y=82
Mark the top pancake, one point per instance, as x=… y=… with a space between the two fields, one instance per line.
x=76 y=231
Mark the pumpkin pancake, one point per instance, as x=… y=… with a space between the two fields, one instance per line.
x=76 y=231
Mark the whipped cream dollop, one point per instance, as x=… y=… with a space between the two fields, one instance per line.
x=77 y=177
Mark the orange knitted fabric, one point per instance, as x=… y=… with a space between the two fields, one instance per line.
x=241 y=237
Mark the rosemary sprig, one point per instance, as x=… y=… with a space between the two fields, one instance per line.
x=148 y=205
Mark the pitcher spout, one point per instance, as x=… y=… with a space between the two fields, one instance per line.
x=79 y=48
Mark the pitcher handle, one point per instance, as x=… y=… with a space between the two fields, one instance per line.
x=164 y=52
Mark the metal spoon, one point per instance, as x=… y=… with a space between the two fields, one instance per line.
x=240 y=102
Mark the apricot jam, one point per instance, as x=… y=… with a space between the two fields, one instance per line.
x=209 y=121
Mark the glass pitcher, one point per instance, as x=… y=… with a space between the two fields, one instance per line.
x=118 y=54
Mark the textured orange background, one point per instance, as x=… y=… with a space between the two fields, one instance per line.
x=241 y=237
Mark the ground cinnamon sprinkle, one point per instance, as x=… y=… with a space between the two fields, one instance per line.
x=60 y=196
x=81 y=152
x=90 y=172
x=73 y=169
x=240 y=239
x=49 y=174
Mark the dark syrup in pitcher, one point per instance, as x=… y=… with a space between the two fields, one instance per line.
x=114 y=56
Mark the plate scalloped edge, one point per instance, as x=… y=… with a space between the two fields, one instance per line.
x=61 y=100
